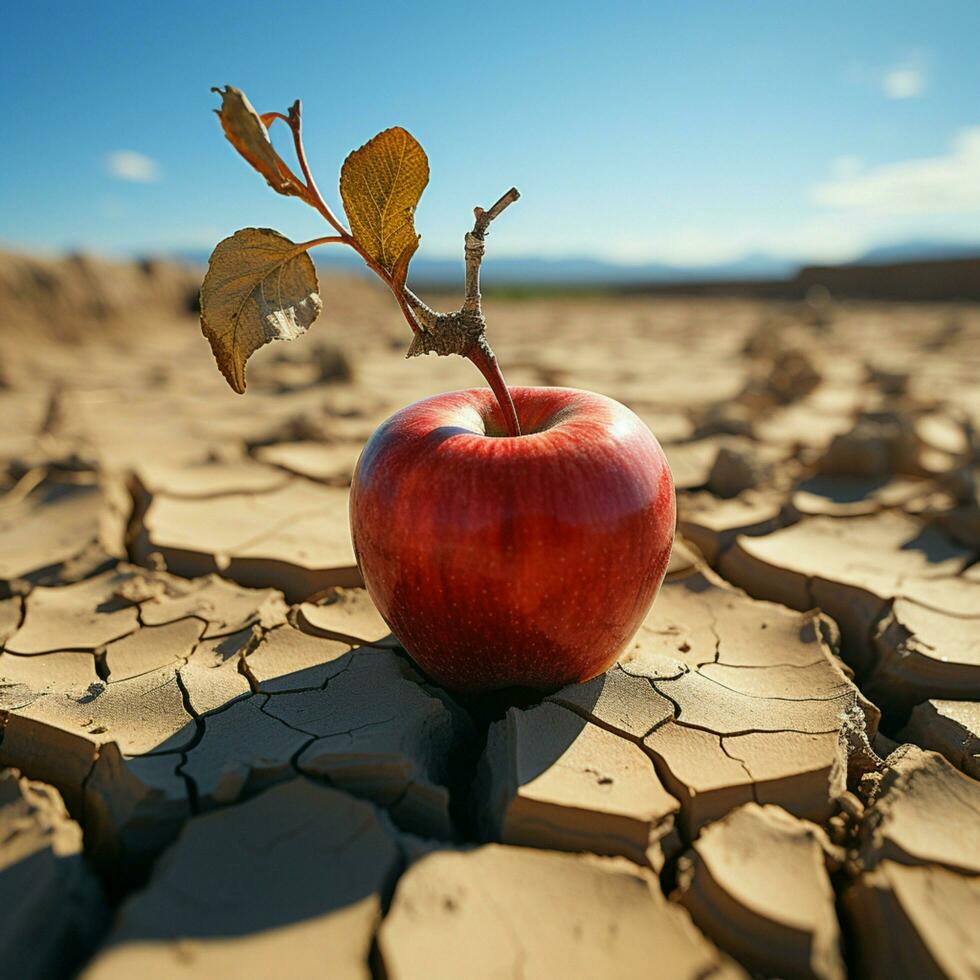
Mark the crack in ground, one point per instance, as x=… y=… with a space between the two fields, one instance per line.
x=743 y=764
x=21 y=615
x=771 y=697
x=936 y=609
x=193 y=795
x=91 y=651
x=83 y=792
x=294 y=763
x=725 y=663
x=277 y=526
x=348 y=731
x=713 y=628
x=748 y=731
x=197 y=720
x=282 y=721
x=52 y=412
x=671 y=783
x=140 y=504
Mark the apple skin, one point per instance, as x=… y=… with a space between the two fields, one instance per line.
x=524 y=561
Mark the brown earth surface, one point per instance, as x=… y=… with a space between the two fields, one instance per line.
x=215 y=759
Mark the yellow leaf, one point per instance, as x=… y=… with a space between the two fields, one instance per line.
x=247 y=133
x=260 y=287
x=400 y=271
x=380 y=185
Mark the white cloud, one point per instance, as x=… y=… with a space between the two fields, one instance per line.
x=843 y=168
x=907 y=79
x=132 y=166
x=683 y=245
x=815 y=239
x=822 y=238
x=905 y=82
x=948 y=184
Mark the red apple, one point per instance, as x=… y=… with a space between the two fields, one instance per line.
x=513 y=561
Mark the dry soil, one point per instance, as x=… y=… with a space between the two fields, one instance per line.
x=216 y=760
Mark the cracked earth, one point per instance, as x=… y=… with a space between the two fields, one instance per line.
x=215 y=758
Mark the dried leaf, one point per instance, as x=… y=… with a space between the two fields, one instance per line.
x=380 y=185
x=400 y=272
x=260 y=287
x=248 y=134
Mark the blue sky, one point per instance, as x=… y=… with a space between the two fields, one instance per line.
x=688 y=132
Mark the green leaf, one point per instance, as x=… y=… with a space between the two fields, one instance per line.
x=259 y=287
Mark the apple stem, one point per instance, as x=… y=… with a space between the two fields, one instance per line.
x=486 y=362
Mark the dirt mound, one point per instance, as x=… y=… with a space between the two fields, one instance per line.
x=70 y=297
x=66 y=298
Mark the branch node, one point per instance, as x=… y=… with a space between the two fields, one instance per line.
x=449 y=333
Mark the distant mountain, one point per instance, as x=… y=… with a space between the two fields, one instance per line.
x=582 y=270
x=919 y=251
x=521 y=270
